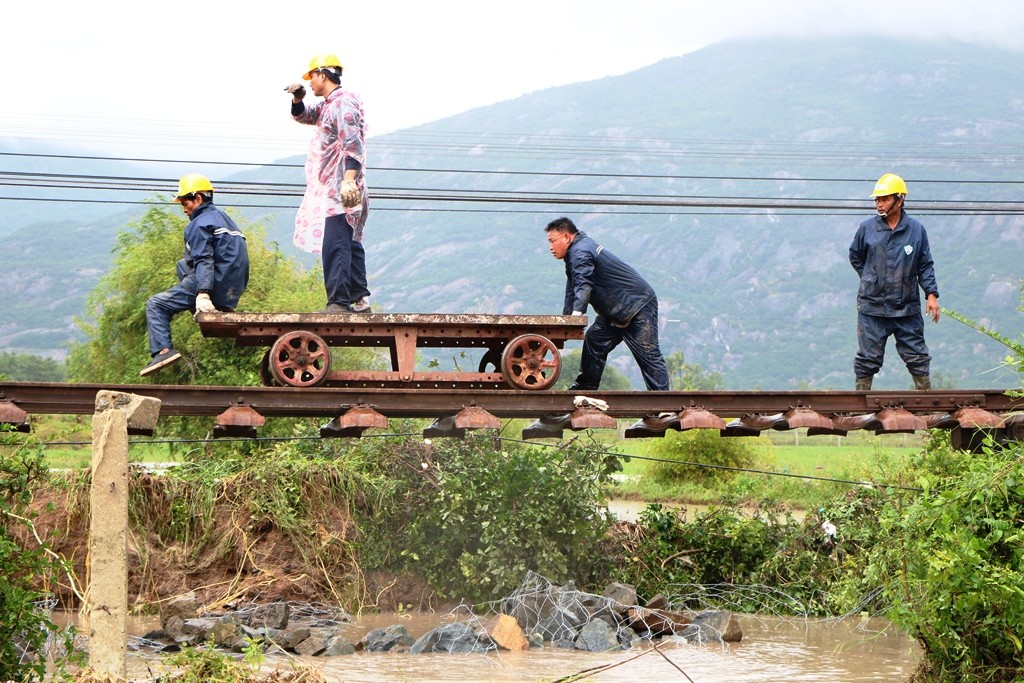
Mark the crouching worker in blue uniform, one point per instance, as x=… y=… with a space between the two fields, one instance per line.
x=626 y=306
x=212 y=276
x=891 y=255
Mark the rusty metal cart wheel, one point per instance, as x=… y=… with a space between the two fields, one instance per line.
x=300 y=359
x=530 y=361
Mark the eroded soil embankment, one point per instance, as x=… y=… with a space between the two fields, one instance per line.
x=222 y=552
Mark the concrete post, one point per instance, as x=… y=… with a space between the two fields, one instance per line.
x=106 y=604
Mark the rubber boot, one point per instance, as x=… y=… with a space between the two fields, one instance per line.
x=864 y=383
x=922 y=382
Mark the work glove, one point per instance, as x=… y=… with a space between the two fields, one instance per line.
x=296 y=90
x=588 y=402
x=350 y=195
x=204 y=305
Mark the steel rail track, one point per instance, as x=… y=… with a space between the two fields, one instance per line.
x=58 y=398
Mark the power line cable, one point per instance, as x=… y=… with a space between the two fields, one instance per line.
x=568 y=174
x=376 y=208
x=127 y=183
x=717 y=209
x=276 y=439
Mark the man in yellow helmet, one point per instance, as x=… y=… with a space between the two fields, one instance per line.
x=891 y=255
x=334 y=208
x=213 y=274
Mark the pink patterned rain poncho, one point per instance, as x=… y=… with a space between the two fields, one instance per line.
x=340 y=135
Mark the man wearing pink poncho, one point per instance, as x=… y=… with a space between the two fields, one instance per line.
x=334 y=207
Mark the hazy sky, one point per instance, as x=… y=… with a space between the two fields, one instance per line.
x=159 y=78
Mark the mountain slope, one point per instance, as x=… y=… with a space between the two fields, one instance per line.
x=764 y=296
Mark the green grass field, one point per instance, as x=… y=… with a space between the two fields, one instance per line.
x=67 y=443
x=78 y=457
x=794 y=469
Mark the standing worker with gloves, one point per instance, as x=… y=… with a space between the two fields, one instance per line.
x=891 y=255
x=213 y=274
x=626 y=306
x=334 y=207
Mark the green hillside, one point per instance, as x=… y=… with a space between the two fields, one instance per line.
x=763 y=296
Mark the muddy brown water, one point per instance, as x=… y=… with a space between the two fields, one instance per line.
x=773 y=649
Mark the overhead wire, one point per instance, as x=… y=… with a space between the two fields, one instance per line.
x=150 y=185
x=444 y=210
x=276 y=439
x=398 y=197
x=530 y=173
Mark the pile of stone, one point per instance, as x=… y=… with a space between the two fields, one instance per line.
x=535 y=615
x=280 y=626
x=567 y=617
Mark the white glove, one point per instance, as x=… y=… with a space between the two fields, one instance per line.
x=350 y=195
x=204 y=305
x=577 y=313
x=587 y=402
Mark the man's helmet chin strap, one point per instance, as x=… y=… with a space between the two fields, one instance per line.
x=885 y=212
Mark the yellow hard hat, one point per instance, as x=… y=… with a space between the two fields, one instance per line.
x=191 y=183
x=888 y=184
x=319 y=62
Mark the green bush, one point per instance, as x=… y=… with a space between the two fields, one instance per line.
x=952 y=564
x=205 y=664
x=473 y=517
x=688 y=450
x=25 y=572
x=731 y=545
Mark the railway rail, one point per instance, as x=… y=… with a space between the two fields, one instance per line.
x=968 y=413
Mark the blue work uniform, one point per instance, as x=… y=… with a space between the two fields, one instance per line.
x=893 y=265
x=216 y=262
x=627 y=311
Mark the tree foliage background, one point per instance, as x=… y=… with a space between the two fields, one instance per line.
x=117 y=342
x=26 y=367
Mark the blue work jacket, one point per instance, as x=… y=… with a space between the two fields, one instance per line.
x=215 y=252
x=893 y=266
x=597 y=277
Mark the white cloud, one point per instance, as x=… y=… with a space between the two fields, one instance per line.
x=166 y=75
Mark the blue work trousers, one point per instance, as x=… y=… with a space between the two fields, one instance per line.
x=872 y=333
x=640 y=335
x=344 y=263
x=163 y=306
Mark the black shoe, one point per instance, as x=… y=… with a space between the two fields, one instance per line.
x=336 y=308
x=160 y=361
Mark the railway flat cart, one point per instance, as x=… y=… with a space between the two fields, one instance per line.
x=519 y=351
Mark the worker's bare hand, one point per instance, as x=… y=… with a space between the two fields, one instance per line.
x=297 y=91
x=931 y=308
